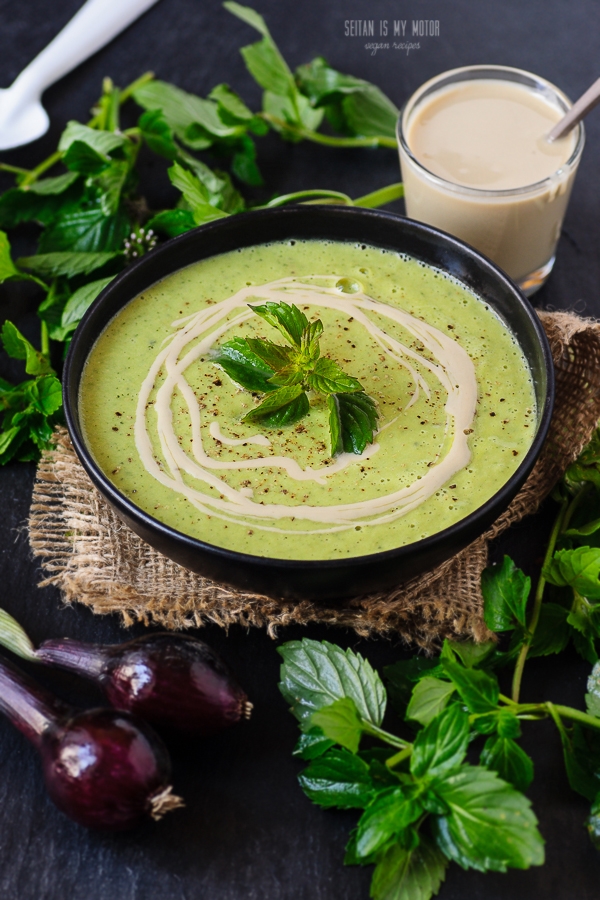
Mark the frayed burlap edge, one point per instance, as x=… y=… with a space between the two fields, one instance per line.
x=96 y=560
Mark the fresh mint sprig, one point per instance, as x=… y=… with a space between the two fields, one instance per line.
x=285 y=374
x=30 y=409
x=423 y=804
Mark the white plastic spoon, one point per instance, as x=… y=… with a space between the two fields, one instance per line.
x=580 y=108
x=22 y=116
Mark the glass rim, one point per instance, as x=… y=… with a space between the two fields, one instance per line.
x=429 y=87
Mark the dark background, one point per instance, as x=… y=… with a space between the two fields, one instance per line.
x=247 y=830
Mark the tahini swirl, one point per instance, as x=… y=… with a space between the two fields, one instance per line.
x=453 y=369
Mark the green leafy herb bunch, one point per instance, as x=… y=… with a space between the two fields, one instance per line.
x=92 y=218
x=451 y=788
x=286 y=374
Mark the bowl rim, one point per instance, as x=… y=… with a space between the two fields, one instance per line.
x=132 y=512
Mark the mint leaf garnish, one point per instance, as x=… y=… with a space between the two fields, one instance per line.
x=284 y=406
x=243 y=366
x=277 y=358
x=354 y=421
x=287 y=373
x=288 y=319
x=328 y=378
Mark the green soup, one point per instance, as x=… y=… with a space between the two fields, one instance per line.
x=454 y=394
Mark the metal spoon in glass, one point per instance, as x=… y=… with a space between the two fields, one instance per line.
x=580 y=108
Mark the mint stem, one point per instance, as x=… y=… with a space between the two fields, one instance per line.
x=299 y=195
x=45 y=339
x=399 y=757
x=5 y=167
x=368 y=201
x=127 y=92
x=554 y=710
x=576 y=714
x=381 y=197
x=537 y=603
x=557 y=720
x=326 y=139
x=33 y=174
x=385 y=736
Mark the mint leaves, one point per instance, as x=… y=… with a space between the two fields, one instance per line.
x=578 y=568
x=489 y=825
x=296 y=103
x=409 y=874
x=315 y=674
x=506 y=590
x=286 y=373
x=340 y=779
x=93 y=219
x=442 y=745
x=423 y=804
x=30 y=410
x=571 y=566
x=284 y=406
x=352 y=421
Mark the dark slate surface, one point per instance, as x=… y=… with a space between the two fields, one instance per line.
x=247 y=831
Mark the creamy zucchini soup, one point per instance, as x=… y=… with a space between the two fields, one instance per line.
x=453 y=394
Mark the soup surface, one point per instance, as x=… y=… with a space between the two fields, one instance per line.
x=454 y=393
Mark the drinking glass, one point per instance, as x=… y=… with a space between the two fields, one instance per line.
x=517 y=228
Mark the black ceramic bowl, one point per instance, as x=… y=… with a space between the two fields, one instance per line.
x=316 y=579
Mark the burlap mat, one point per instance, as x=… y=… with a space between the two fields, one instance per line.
x=96 y=560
